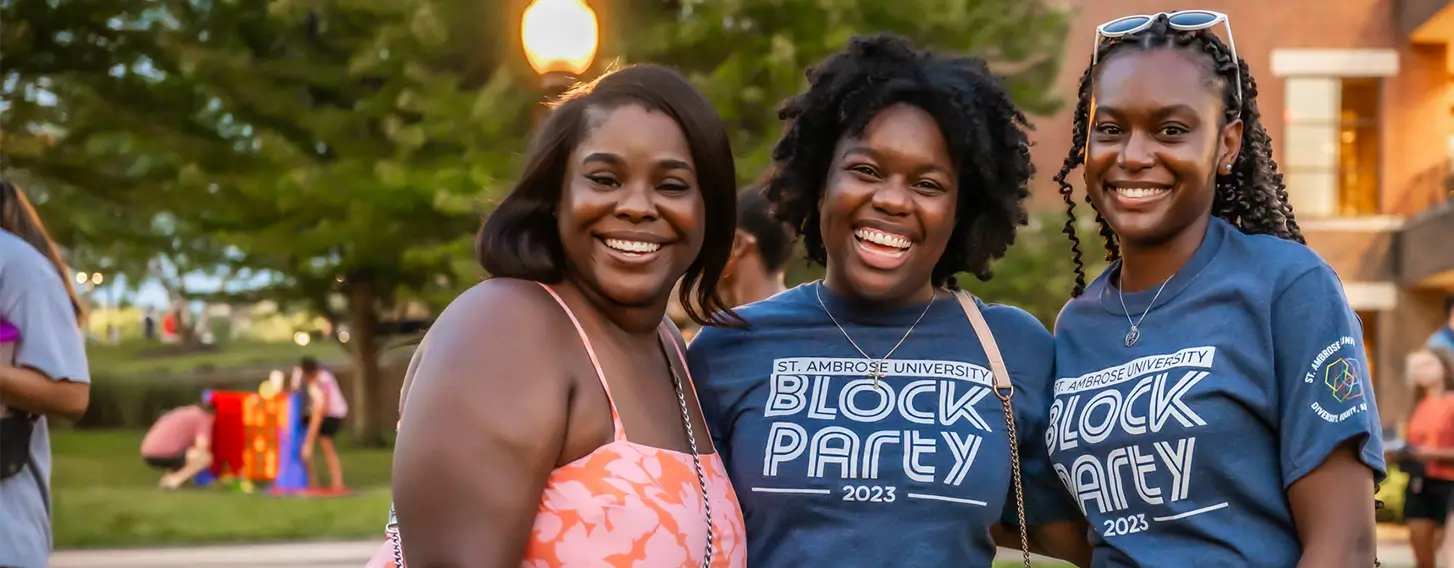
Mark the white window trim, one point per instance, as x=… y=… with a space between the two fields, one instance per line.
x=1335 y=62
x=1371 y=296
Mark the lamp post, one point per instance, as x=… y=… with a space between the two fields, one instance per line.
x=560 y=39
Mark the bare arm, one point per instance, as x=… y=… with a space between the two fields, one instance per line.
x=484 y=427
x=315 y=413
x=49 y=374
x=32 y=391
x=1431 y=454
x=1333 y=509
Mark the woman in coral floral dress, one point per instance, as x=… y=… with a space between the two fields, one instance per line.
x=550 y=420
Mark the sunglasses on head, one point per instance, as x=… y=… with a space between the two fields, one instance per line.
x=1185 y=20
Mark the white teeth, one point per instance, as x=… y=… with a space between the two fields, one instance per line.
x=640 y=247
x=1139 y=192
x=881 y=238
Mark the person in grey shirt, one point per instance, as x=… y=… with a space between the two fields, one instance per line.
x=48 y=375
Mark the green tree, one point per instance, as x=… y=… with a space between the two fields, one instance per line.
x=1036 y=274
x=748 y=55
x=347 y=147
x=339 y=146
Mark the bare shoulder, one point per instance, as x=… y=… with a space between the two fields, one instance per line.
x=487 y=394
x=500 y=310
x=487 y=333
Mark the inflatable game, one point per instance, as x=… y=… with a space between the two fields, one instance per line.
x=257 y=439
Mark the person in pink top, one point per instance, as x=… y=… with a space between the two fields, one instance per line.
x=324 y=416
x=180 y=443
x=550 y=419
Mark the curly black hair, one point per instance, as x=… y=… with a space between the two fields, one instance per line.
x=1252 y=197
x=984 y=132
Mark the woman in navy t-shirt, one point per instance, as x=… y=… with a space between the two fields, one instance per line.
x=856 y=415
x=1212 y=405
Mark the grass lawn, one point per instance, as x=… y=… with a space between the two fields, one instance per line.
x=105 y=496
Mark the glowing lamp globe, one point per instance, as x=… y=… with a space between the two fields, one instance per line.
x=560 y=36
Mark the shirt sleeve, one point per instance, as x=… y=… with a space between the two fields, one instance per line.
x=50 y=339
x=700 y=363
x=1442 y=339
x=1046 y=499
x=1325 y=397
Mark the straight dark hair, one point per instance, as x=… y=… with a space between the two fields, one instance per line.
x=520 y=239
x=18 y=217
x=775 y=238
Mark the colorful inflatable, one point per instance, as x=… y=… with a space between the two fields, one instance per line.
x=257 y=439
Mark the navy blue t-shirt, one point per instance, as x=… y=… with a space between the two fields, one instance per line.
x=833 y=471
x=1249 y=371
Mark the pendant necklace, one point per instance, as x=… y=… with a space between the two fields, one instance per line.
x=876 y=365
x=1135 y=333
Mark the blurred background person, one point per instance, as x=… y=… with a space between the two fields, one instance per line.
x=1428 y=457
x=48 y=376
x=1444 y=337
x=760 y=250
x=180 y=444
x=326 y=409
x=761 y=246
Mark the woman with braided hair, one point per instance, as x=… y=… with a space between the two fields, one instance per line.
x=862 y=418
x=1213 y=404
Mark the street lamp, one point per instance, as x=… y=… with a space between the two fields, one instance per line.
x=560 y=38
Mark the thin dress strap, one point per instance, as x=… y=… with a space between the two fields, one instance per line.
x=620 y=435
x=686 y=370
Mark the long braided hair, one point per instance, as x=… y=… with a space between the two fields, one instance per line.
x=1252 y=197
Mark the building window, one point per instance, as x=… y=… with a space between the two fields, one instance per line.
x=1332 y=146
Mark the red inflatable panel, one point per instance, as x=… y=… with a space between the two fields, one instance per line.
x=227 y=433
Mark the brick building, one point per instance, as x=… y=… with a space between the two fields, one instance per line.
x=1358 y=96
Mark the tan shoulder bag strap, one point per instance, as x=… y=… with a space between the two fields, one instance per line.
x=1004 y=390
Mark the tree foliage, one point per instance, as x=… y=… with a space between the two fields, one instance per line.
x=346 y=148
x=748 y=55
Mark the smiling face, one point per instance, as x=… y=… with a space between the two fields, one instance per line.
x=1156 y=144
x=889 y=206
x=631 y=215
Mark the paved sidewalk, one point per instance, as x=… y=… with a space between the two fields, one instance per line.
x=1393 y=550
x=290 y=555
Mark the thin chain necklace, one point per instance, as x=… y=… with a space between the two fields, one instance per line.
x=676 y=381
x=1135 y=333
x=876 y=365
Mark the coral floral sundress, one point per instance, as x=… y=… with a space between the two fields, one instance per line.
x=627 y=505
